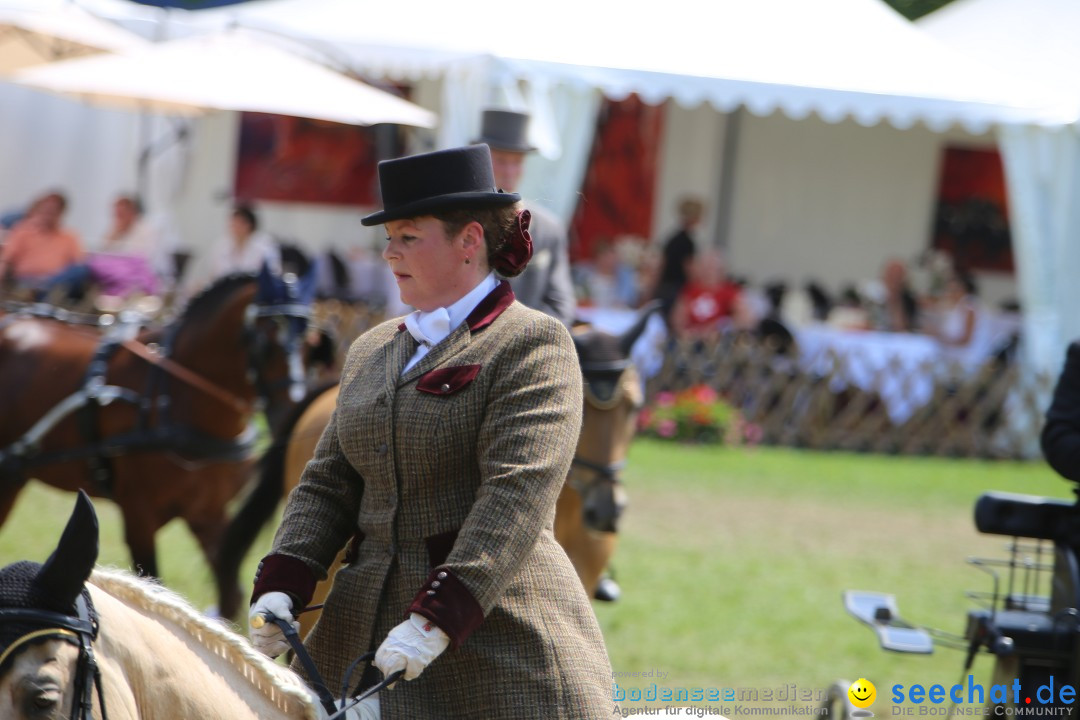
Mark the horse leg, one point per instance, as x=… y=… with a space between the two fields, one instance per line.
x=571 y=534
x=139 y=531
x=588 y=550
x=209 y=528
x=10 y=486
x=596 y=552
x=207 y=518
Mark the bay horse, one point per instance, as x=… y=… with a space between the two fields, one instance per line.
x=78 y=643
x=588 y=507
x=159 y=421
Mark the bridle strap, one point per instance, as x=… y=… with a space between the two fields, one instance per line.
x=81 y=628
x=31 y=636
x=190 y=377
x=611 y=470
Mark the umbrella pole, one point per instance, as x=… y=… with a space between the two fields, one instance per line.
x=142 y=179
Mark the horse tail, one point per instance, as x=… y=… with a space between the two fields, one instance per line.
x=263 y=499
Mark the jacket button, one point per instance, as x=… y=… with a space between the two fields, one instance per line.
x=382 y=449
x=441 y=576
x=445 y=387
x=435 y=584
x=430 y=592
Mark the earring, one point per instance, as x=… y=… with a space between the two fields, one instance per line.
x=467 y=261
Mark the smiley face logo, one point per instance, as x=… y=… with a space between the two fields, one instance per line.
x=862 y=693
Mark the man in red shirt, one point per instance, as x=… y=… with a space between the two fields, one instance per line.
x=708 y=301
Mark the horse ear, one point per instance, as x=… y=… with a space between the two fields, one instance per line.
x=65 y=572
x=628 y=338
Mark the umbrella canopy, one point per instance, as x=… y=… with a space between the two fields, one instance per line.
x=232 y=70
x=34 y=35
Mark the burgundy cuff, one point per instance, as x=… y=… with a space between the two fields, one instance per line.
x=445 y=601
x=283 y=573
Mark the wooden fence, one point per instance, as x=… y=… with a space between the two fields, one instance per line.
x=995 y=411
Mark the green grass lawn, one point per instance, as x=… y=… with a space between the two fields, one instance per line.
x=732 y=561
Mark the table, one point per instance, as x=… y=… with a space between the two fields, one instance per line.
x=901 y=368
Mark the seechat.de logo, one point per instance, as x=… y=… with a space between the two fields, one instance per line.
x=862 y=694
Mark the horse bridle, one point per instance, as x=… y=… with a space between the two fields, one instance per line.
x=291 y=345
x=81 y=628
x=601 y=472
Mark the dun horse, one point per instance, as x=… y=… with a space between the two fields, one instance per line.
x=159 y=422
x=588 y=507
x=77 y=644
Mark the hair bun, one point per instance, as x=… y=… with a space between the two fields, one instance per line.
x=517 y=248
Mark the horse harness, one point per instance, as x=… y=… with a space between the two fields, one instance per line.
x=601 y=380
x=95 y=394
x=82 y=629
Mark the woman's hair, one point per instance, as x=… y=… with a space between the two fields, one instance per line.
x=499 y=224
x=55 y=196
x=690 y=209
x=248 y=215
x=132 y=201
x=967 y=281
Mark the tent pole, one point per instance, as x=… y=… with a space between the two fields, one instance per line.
x=725 y=200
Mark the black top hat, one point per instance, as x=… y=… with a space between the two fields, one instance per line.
x=421 y=184
x=505 y=130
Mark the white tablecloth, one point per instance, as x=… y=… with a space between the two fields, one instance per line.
x=900 y=367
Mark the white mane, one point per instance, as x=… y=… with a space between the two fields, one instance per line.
x=279 y=684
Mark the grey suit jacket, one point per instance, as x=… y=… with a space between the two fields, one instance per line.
x=546 y=285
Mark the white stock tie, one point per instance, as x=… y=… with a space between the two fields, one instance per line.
x=429 y=328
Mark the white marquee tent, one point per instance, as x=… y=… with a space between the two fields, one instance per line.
x=842 y=61
x=864 y=101
x=1036 y=39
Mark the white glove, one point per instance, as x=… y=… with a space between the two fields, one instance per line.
x=269 y=639
x=411 y=646
x=366 y=709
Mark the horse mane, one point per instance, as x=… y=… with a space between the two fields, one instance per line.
x=208 y=301
x=276 y=682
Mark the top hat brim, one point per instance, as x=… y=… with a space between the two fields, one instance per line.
x=427 y=206
x=497 y=144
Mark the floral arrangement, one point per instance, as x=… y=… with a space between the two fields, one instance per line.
x=698 y=415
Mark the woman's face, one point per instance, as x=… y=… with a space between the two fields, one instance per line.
x=239 y=228
x=430 y=267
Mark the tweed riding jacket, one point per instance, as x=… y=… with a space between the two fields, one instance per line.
x=446 y=478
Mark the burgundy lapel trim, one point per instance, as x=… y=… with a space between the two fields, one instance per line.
x=490 y=307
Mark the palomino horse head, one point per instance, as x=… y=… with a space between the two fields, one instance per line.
x=613 y=398
x=79 y=644
x=47 y=625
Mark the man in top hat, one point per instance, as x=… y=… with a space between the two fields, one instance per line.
x=546 y=284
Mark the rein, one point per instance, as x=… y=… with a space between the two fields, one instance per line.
x=333 y=711
x=82 y=629
x=189 y=377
